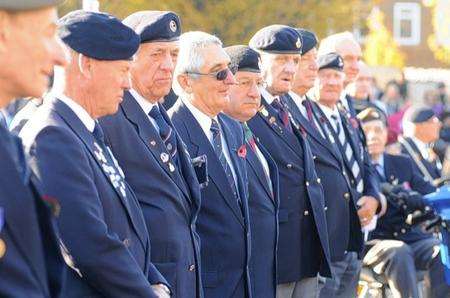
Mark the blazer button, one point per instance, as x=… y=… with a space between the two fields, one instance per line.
x=403 y=231
x=395 y=234
x=307 y=183
x=126 y=242
x=325 y=208
x=314 y=157
x=191 y=267
x=306 y=213
x=347 y=196
x=289 y=166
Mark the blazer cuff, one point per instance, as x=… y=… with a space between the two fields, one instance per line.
x=382 y=207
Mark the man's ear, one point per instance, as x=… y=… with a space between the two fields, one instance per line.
x=5 y=29
x=185 y=83
x=85 y=65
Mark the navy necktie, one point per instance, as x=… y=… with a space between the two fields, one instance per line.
x=166 y=132
x=217 y=140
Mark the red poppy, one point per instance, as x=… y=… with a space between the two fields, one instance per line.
x=242 y=151
x=53 y=204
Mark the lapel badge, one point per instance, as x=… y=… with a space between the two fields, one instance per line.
x=153 y=143
x=2 y=248
x=169 y=147
x=264 y=112
x=164 y=157
x=272 y=120
x=394 y=180
x=171 y=167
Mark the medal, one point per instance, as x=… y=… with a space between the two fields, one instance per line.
x=164 y=157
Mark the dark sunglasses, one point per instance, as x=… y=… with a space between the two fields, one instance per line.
x=220 y=75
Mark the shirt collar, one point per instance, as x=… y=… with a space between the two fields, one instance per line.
x=328 y=111
x=202 y=119
x=81 y=113
x=145 y=105
x=298 y=99
x=267 y=96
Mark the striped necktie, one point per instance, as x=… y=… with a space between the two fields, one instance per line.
x=166 y=132
x=348 y=153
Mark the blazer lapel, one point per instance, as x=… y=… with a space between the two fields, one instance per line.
x=200 y=142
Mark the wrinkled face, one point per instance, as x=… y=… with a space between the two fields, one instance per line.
x=108 y=81
x=350 y=51
x=330 y=84
x=428 y=131
x=376 y=136
x=307 y=71
x=245 y=97
x=153 y=68
x=29 y=48
x=278 y=71
x=210 y=93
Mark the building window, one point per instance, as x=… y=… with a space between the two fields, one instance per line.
x=407 y=23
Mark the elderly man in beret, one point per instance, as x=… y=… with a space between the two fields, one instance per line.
x=31 y=264
x=262 y=172
x=398 y=250
x=303 y=249
x=154 y=157
x=101 y=221
x=203 y=81
x=357 y=205
x=421 y=129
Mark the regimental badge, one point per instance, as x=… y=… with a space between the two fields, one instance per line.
x=171 y=167
x=341 y=62
x=298 y=44
x=272 y=120
x=164 y=157
x=173 y=26
x=263 y=111
x=153 y=143
x=169 y=147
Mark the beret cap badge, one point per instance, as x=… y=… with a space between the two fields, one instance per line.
x=173 y=26
x=298 y=44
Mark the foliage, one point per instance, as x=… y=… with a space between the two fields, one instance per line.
x=441 y=26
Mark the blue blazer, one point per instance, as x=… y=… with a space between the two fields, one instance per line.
x=431 y=167
x=263 y=203
x=344 y=228
x=303 y=249
x=32 y=265
x=399 y=169
x=101 y=221
x=223 y=226
x=169 y=200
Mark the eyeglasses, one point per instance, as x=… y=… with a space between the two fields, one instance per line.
x=220 y=75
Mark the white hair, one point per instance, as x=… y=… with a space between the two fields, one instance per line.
x=190 y=58
x=331 y=43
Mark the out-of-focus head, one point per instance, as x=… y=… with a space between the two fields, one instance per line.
x=392 y=92
x=307 y=68
x=330 y=81
x=344 y=44
x=29 y=48
x=421 y=122
x=101 y=52
x=245 y=96
x=202 y=72
x=280 y=48
x=374 y=126
x=363 y=83
x=152 y=70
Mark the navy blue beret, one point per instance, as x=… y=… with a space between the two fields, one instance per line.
x=309 y=40
x=277 y=39
x=243 y=58
x=419 y=114
x=98 y=35
x=331 y=60
x=155 y=25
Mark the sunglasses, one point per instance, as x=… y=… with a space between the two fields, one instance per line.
x=220 y=75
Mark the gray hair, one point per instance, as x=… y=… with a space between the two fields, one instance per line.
x=190 y=58
x=331 y=43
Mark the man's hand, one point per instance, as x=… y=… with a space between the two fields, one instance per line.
x=368 y=208
x=162 y=291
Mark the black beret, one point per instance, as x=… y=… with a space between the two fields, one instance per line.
x=19 y=5
x=277 y=39
x=243 y=58
x=155 y=25
x=98 y=35
x=419 y=114
x=309 y=40
x=372 y=114
x=331 y=60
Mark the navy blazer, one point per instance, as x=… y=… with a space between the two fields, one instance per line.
x=169 y=198
x=344 y=228
x=32 y=265
x=263 y=207
x=399 y=169
x=303 y=249
x=431 y=167
x=223 y=226
x=101 y=221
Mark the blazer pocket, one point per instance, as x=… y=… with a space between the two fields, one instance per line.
x=210 y=279
x=169 y=271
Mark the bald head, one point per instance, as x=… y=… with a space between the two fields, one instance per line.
x=345 y=45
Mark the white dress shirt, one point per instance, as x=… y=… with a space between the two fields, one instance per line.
x=205 y=123
x=145 y=105
x=329 y=113
x=81 y=113
x=299 y=103
x=267 y=96
x=344 y=100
